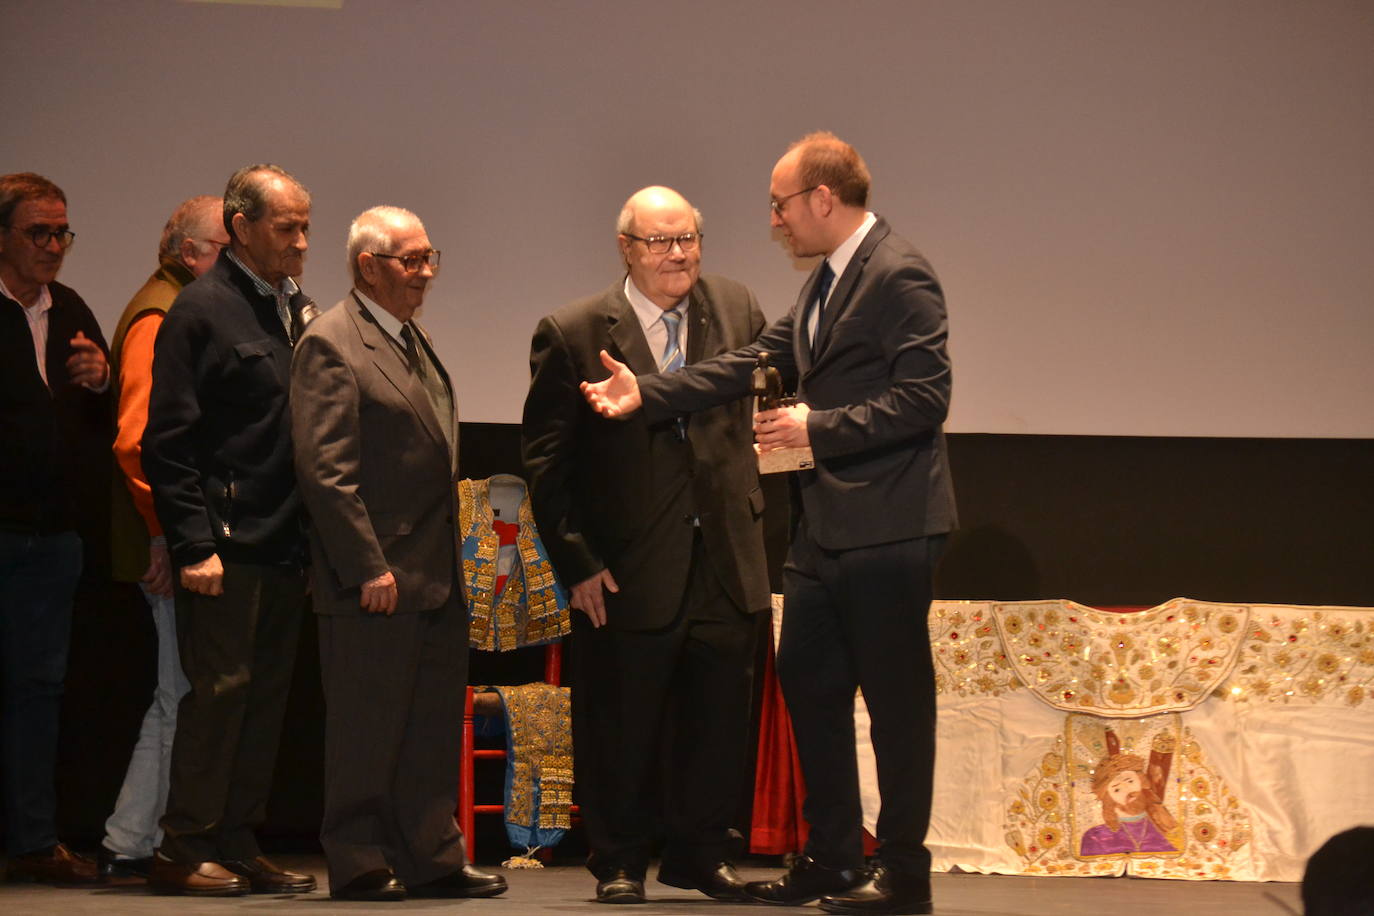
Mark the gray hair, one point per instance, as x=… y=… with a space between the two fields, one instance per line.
x=372 y=231
x=246 y=192
x=190 y=220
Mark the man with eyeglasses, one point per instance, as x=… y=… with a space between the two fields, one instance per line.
x=191 y=241
x=55 y=417
x=866 y=346
x=217 y=454
x=655 y=528
x=375 y=424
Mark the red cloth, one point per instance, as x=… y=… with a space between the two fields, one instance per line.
x=506 y=534
x=778 y=826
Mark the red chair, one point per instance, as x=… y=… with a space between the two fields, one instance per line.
x=490 y=705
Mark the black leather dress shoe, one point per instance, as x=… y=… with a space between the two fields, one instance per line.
x=119 y=869
x=885 y=893
x=465 y=882
x=802 y=883
x=620 y=887
x=719 y=882
x=264 y=877
x=376 y=886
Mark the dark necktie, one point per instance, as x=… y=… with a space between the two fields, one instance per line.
x=412 y=353
x=823 y=282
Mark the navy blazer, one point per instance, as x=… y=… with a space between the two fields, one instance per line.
x=878 y=384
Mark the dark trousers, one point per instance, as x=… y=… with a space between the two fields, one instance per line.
x=38 y=575
x=393 y=689
x=237 y=650
x=857 y=619
x=660 y=730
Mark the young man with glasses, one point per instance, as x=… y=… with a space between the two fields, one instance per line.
x=55 y=417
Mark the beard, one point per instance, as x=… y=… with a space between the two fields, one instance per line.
x=1136 y=803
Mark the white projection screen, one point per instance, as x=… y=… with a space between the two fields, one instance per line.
x=1150 y=218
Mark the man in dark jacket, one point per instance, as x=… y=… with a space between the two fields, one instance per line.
x=55 y=417
x=655 y=527
x=217 y=453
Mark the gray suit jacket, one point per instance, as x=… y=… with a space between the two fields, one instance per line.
x=878 y=384
x=373 y=466
x=620 y=495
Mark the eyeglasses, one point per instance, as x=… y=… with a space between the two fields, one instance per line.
x=780 y=203
x=216 y=242
x=412 y=262
x=662 y=244
x=42 y=235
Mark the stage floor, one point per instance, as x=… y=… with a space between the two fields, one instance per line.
x=569 y=888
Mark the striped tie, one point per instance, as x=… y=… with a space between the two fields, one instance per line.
x=672 y=348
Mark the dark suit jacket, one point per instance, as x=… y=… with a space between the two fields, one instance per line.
x=620 y=495
x=878 y=384
x=377 y=476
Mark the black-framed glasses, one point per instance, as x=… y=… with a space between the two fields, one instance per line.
x=412 y=262
x=42 y=235
x=779 y=204
x=662 y=244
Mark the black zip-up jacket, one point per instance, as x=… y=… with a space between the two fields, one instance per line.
x=53 y=461
x=217 y=447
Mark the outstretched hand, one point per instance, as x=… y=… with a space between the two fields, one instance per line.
x=617 y=396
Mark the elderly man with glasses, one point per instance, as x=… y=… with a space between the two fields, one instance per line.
x=375 y=424
x=55 y=417
x=656 y=530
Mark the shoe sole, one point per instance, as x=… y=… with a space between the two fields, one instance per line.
x=200 y=892
x=916 y=909
x=736 y=897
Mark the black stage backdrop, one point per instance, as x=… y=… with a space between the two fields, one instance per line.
x=1096 y=519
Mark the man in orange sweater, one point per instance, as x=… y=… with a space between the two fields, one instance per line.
x=191 y=241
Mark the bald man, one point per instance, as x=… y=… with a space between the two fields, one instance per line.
x=655 y=529
x=191 y=241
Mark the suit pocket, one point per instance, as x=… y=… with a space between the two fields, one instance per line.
x=385 y=525
x=756 y=502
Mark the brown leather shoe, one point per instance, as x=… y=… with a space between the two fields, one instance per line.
x=265 y=877
x=58 y=865
x=199 y=879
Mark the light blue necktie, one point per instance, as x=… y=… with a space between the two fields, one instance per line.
x=672 y=359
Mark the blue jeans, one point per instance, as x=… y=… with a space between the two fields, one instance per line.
x=132 y=829
x=38 y=575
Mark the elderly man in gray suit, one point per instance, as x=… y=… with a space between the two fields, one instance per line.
x=375 y=427
x=865 y=346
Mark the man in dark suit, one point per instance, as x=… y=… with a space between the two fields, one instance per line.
x=865 y=346
x=375 y=427
x=656 y=527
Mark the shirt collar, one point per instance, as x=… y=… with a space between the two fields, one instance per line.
x=647 y=311
x=388 y=321
x=286 y=288
x=39 y=307
x=844 y=252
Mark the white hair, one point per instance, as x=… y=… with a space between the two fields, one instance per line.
x=373 y=231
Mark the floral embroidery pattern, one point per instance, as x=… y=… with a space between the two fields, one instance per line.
x=1304 y=655
x=1166 y=659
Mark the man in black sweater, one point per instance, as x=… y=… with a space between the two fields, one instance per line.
x=55 y=416
x=217 y=453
